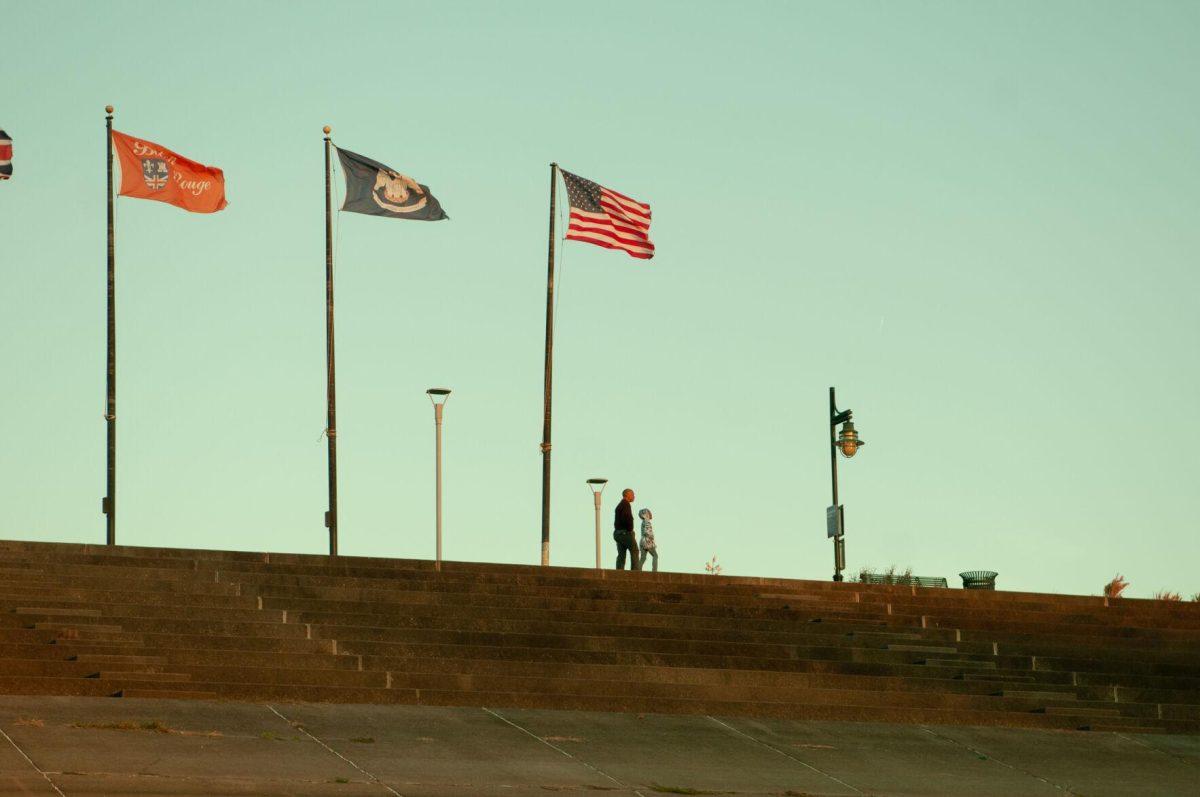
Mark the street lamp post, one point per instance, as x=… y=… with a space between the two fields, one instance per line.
x=438 y=396
x=597 y=487
x=848 y=443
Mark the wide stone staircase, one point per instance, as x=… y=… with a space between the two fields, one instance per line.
x=219 y=625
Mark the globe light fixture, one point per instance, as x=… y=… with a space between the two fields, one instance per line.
x=848 y=442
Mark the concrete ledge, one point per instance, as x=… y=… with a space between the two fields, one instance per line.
x=87 y=746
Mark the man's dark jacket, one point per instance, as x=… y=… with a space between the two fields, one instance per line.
x=623 y=519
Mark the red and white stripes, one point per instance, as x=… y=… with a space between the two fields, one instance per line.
x=607 y=218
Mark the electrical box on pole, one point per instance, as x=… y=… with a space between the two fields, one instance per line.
x=835 y=521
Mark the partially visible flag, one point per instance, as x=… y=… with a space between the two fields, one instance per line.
x=378 y=190
x=149 y=171
x=5 y=156
x=605 y=218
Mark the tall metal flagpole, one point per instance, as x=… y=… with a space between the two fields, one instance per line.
x=109 y=505
x=331 y=516
x=549 y=382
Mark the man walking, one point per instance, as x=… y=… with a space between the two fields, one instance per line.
x=623 y=531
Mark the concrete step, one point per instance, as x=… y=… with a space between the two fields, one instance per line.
x=74 y=586
x=56 y=685
x=812 y=674
x=101 y=658
x=1190 y=713
x=24 y=636
x=49 y=668
x=627 y=626
x=175 y=658
x=961 y=664
x=69 y=596
x=1128 y=680
x=617 y=701
x=1025 y=694
x=877 y=636
x=142 y=675
x=268 y=627
x=645 y=579
x=61 y=625
x=323 y=677
x=57 y=612
x=149 y=609
x=922 y=648
x=633 y=625
x=166 y=694
x=1100 y=665
x=524 y=600
x=654 y=691
x=806 y=649
x=640 y=586
x=7 y=571
x=673 y=616
x=1073 y=711
x=73 y=637
x=632 y=657
x=164 y=643
x=1124 y=694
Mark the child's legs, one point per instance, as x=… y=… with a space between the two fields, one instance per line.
x=653 y=553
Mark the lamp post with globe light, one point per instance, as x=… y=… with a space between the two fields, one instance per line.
x=848 y=443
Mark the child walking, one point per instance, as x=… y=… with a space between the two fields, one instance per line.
x=648 y=544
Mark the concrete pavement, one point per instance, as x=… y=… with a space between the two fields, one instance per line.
x=96 y=746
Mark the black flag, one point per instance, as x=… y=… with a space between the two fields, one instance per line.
x=377 y=190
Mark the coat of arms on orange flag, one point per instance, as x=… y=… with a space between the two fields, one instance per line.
x=149 y=171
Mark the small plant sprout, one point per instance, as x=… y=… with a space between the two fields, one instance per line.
x=712 y=568
x=1167 y=595
x=1114 y=588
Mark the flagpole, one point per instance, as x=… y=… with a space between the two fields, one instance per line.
x=109 y=505
x=549 y=381
x=331 y=516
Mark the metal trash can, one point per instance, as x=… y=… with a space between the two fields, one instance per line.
x=979 y=579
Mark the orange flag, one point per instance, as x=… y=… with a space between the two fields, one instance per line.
x=149 y=171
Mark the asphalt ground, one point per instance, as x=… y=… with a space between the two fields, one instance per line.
x=76 y=746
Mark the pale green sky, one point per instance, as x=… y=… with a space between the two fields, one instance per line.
x=978 y=220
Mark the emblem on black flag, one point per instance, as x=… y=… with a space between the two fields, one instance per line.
x=398 y=193
x=155 y=172
x=377 y=190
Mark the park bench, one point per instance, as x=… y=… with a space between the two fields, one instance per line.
x=907 y=581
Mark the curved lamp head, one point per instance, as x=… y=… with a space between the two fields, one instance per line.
x=438 y=395
x=597 y=485
x=847 y=441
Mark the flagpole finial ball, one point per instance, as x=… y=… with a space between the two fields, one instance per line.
x=108 y=109
x=327 y=129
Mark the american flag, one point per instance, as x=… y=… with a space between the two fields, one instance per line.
x=605 y=218
x=5 y=156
